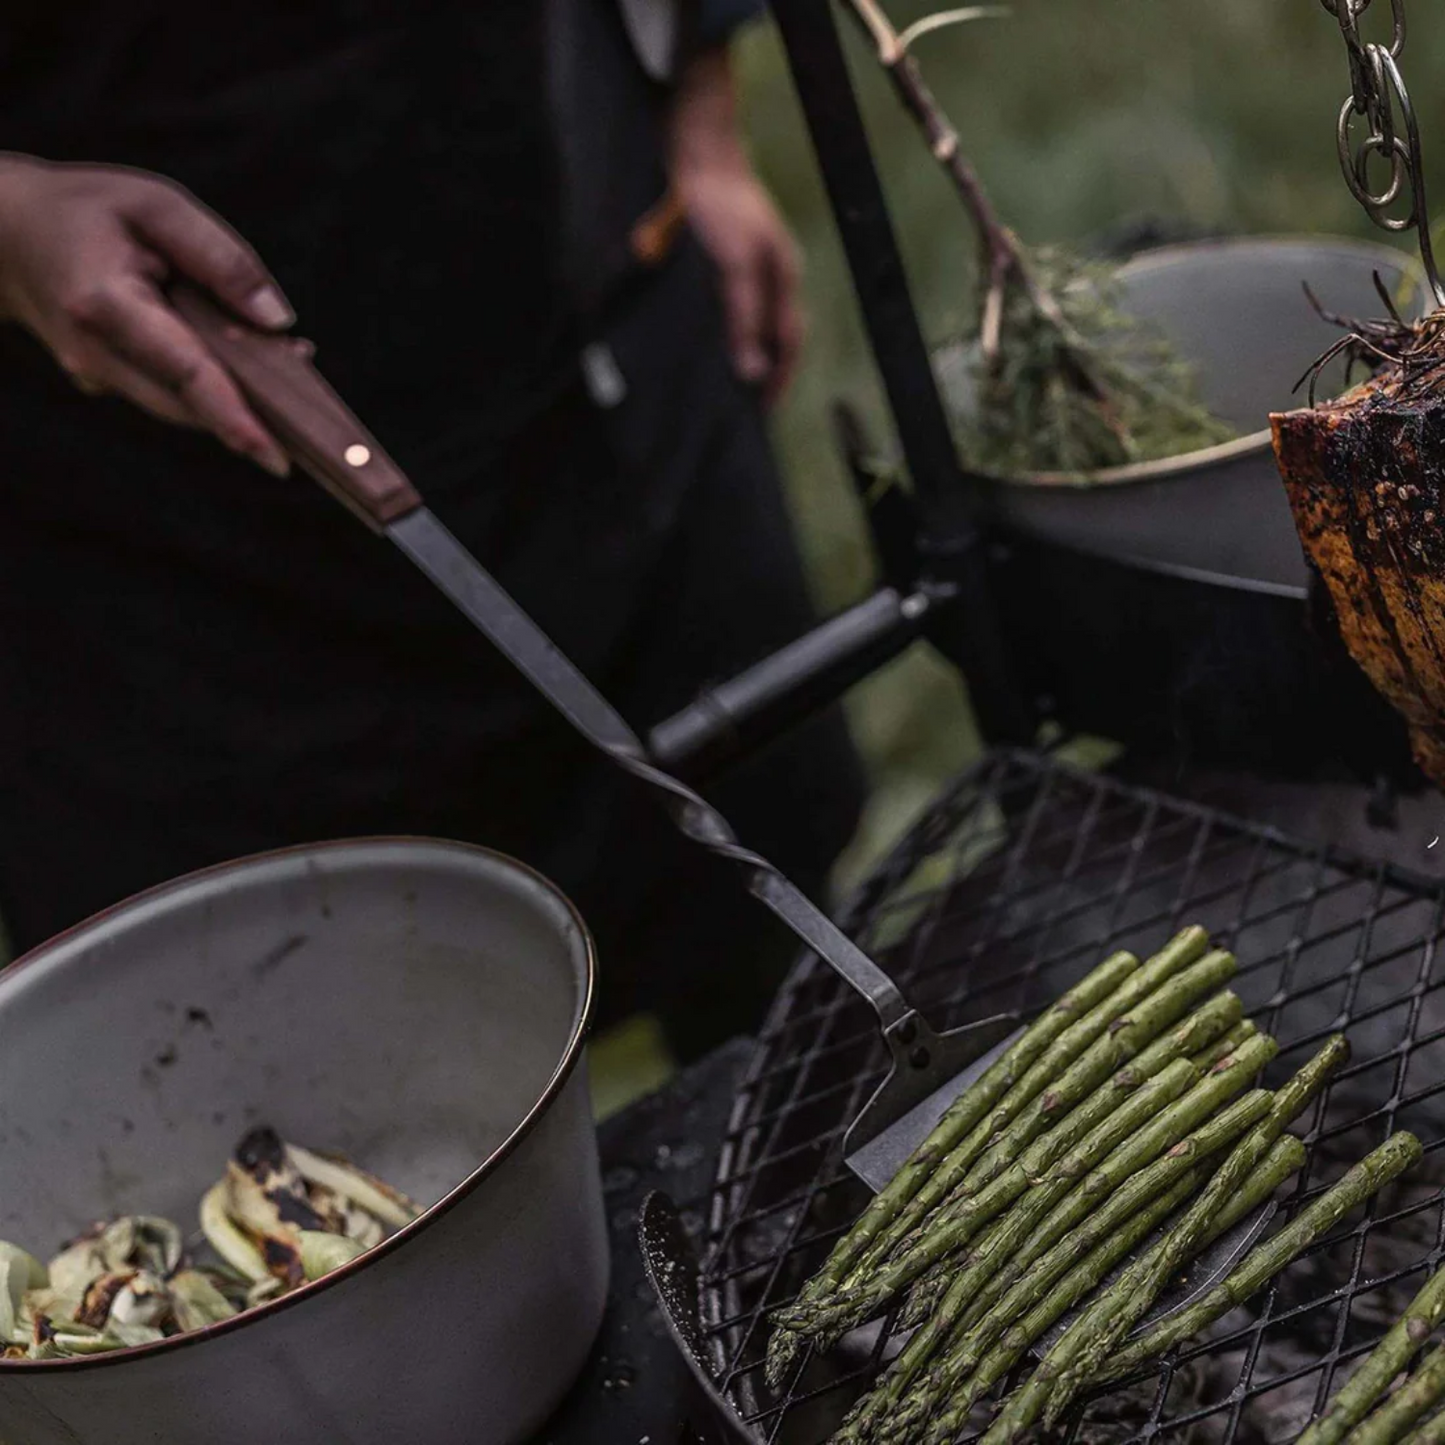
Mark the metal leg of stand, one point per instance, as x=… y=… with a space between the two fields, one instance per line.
x=953 y=543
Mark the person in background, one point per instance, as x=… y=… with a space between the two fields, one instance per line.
x=532 y=254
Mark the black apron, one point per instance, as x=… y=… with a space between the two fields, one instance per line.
x=201 y=661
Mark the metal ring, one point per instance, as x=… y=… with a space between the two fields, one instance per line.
x=1379 y=202
x=1397 y=15
x=1354 y=162
x=1376 y=88
x=1419 y=205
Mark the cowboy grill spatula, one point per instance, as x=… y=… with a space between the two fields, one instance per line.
x=322 y=435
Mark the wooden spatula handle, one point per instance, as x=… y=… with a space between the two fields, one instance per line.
x=316 y=427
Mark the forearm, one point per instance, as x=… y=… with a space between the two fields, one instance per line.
x=736 y=221
x=703 y=125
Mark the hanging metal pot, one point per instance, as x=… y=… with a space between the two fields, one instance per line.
x=1169 y=604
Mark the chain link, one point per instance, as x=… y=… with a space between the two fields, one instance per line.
x=1378 y=97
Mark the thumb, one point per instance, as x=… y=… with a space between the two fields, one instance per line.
x=201 y=246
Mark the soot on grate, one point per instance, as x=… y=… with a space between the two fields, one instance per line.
x=1019 y=879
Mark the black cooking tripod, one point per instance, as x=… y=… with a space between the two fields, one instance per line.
x=1185 y=671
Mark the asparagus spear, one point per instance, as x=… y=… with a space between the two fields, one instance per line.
x=943 y=1398
x=1264 y=1261
x=976 y=1379
x=928 y=1292
x=1182 y=951
x=970 y=1106
x=1125 y=1038
x=1021 y=1281
x=1420 y=1394
x=1058 y=1377
x=1206 y=1058
x=959 y=1222
x=1145 y=1279
x=1048 y=1211
x=1204 y=1023
x=1058 y=1036
x=1385 y=1361
x=830 y=1317
x=1432 y=1432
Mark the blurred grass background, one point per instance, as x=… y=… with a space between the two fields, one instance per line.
x=1082 y=115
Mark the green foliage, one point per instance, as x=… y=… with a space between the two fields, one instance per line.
x=1100 y=391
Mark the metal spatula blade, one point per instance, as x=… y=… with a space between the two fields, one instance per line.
x=898 y=1119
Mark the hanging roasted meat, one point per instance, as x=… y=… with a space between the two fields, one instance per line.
x=1365 y=476
x=1364 y=473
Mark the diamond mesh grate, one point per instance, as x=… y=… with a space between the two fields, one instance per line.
x=1019 y=878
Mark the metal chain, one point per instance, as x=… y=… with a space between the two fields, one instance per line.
x=1379 y=97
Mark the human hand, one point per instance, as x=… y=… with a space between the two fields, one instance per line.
x=737 y=223
x=84 y=254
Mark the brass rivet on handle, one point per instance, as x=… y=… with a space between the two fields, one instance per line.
x=357 y=455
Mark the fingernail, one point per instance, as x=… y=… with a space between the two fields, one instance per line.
x=752 y=366
x=277 y=463
x=268 y=307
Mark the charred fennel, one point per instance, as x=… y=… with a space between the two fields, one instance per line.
x=279 y=1217
x=1398 y=1153
x=1076 y=1356
x=1057 y=1205
x=963 y=1219
x=964 y=1380
x=1352 y=1403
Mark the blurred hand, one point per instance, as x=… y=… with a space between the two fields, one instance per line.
x=736 y=221
x=84 y=254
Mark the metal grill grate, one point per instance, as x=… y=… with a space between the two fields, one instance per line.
x=1014 y=884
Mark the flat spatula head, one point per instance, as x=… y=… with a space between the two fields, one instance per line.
x=929 y=1072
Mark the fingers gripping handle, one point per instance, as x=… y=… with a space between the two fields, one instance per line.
x=309 y=419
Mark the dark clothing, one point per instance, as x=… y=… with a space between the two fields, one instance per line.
x=201 y=661
x=391 y=160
